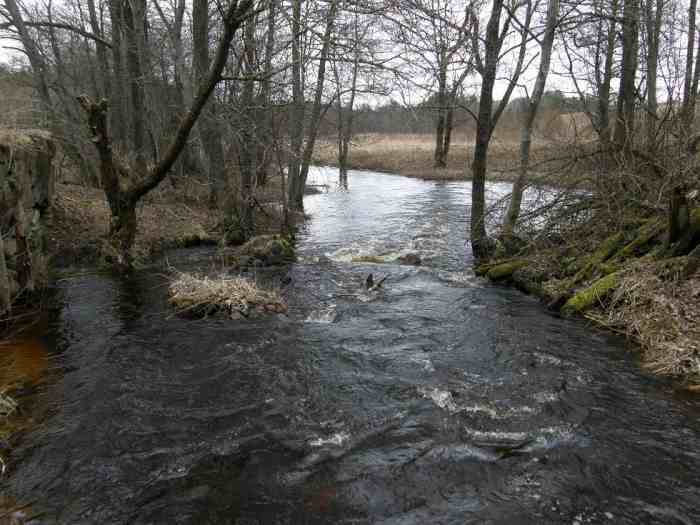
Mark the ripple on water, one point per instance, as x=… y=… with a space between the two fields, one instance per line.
x=325 y=315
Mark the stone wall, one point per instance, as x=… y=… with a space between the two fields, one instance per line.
x=26 y=189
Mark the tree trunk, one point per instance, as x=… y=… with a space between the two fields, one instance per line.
x=134 y=19
x=688 y=95
x=209 y=129
x=296 y=189
x=265 y=148
x=296 y=114
x=603 y=125
x=123 y=201
x=487 y=119
x=449 y=123
x=533 y=105
x=624 y=127
x=247 y=151
x=653 y=23
x=119 y=102
x=679 y=215
x=345 y=118
x=440 y=156
x=104 y=85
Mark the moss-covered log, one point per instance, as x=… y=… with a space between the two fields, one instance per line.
x=606 y=250
x=650 y=231
x=591 y=295
x=505 y=270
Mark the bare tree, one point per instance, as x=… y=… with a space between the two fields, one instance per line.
x=435 y=37
x=624 y=126
x=123 y=200
x=486 y=119
x=301 y=153
x=529 y=118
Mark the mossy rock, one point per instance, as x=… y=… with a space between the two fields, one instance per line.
x=505 y=270
x=530 y=280
x=265 y=250
x=589 y=296
x=409 y=259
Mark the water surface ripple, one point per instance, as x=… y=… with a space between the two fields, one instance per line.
x=439 y=400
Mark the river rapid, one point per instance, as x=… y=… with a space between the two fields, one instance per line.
x=440 y=399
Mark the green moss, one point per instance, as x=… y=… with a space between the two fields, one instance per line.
x=505 y=270
x=641 y=243
x=483 y=269
x=606 y=250
x=587 y=297
x=608 y=268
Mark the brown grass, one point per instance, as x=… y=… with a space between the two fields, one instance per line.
x=80 y=219
x=657 y=308
x=412 y=156
x=236 y=296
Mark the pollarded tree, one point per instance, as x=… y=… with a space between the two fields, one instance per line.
x=123 y=198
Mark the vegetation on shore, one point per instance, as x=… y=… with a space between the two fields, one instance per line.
x=411 y=155
x=632 y=282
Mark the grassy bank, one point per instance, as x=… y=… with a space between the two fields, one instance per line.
x=80 y=219
x=629 y=281
x=412 y=156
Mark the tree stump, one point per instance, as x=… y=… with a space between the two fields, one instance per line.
x=26 y=189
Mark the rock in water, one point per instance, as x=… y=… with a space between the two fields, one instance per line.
x=412 y=259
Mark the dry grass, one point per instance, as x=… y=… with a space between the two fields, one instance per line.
x=236 y=296
x=81 y=219
x=412 y=156
x=657 y=308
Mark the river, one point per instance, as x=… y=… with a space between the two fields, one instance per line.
x=440 y=399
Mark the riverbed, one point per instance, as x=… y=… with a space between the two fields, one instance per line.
x=438 y=399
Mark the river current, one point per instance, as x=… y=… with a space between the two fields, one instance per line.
x=440 y=399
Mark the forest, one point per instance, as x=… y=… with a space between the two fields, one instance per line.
x=318 y=160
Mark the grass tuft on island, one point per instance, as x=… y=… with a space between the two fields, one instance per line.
x=237 y=297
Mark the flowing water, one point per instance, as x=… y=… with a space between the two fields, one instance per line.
x=438 y=399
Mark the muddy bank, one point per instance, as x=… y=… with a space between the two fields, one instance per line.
x=632 y=281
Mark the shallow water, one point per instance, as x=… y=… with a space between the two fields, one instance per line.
x=440 y=399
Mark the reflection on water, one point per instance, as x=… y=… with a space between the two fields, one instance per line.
x=437 y=399
x=22 y=361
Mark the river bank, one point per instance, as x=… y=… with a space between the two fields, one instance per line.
x=412 y=156
x=355 y=406
x=630 y=282
x=647 y=296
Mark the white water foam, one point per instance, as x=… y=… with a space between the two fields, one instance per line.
x=336 y=439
